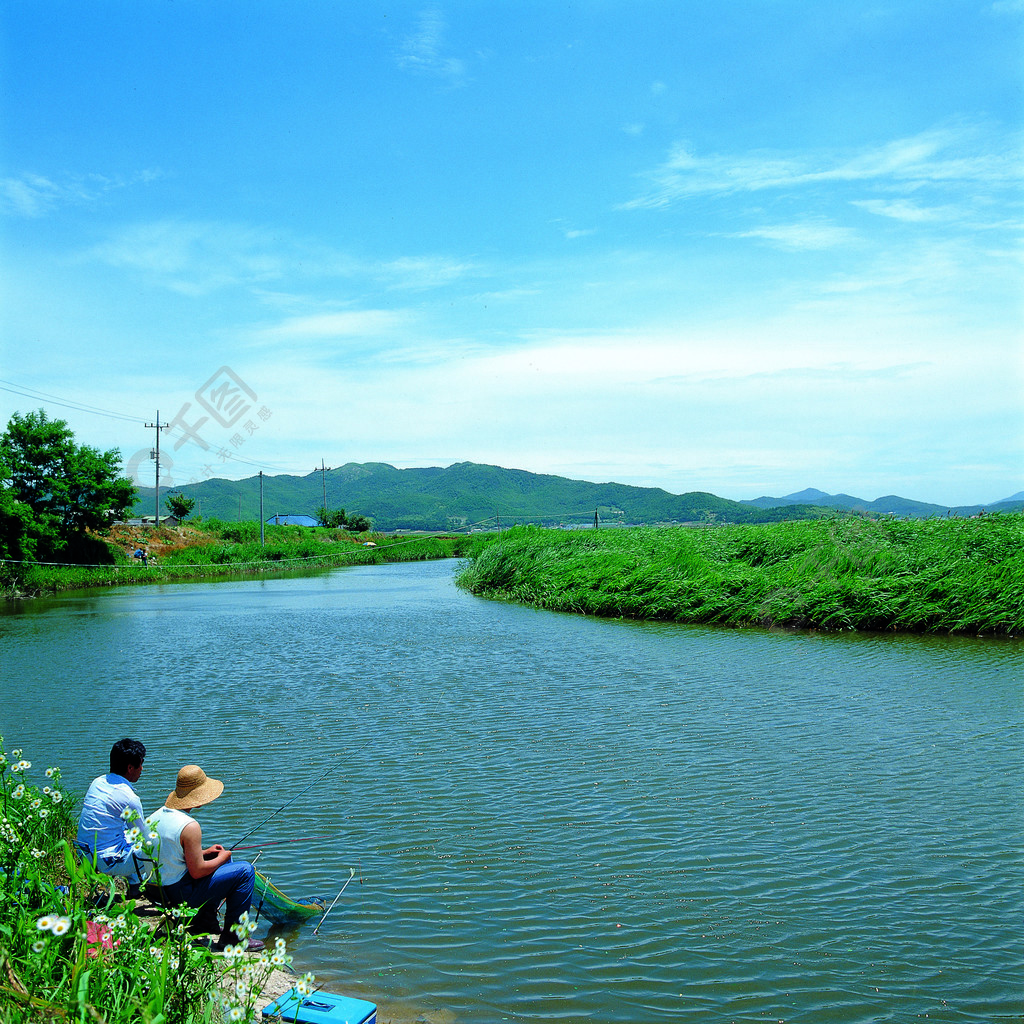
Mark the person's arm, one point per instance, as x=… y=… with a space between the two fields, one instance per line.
x=200 y=862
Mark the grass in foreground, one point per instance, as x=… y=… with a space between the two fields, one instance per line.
x=936 y=575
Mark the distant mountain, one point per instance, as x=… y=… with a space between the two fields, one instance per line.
x=459 y=497
x=468 y=493
x=890 y=504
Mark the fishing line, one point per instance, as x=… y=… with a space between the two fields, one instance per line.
x=278 y=842
x=288 y=803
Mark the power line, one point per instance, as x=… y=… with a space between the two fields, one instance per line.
x=6 y=385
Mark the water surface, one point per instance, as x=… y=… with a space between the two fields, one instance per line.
x=553 y=817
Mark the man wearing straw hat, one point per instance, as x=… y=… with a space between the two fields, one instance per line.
x=188 y=873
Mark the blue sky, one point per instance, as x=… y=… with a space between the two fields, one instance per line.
x=743 y=248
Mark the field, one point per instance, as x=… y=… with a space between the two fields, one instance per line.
x=947 y=575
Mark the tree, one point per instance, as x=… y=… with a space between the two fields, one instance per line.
x=56 y=488
x=334 y=519
x=180 y=506
x=358 y=524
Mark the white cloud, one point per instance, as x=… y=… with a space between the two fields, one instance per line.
x=811 y=235
x=346 y=323
x=954 y=154
x=33 y=195
x=899 y=209
x=195 y=257
x=423 y=51
x=425 y=271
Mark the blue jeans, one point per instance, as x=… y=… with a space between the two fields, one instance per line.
x=233 y=882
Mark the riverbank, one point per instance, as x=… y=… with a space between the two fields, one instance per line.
x=72 y=943
x=214 y=549
x=963 y=576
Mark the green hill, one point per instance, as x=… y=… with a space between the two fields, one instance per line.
x=461 y=496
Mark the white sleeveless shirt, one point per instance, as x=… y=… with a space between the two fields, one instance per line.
x=168 y=824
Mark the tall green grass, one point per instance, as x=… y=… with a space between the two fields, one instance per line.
x=937 y=575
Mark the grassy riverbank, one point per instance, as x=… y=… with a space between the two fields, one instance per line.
x=217 y=549
x=73 y=948
x=937 y=575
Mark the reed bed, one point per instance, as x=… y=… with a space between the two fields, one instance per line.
x=845 y=573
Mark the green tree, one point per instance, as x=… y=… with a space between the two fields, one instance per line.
x=57 y=489
x=358 y=524
x=180 y=506
x=333 y=518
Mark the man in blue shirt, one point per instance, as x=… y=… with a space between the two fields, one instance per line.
x=106 y=807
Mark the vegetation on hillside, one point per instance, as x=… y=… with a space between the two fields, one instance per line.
x=939 y=575
x=465 y=495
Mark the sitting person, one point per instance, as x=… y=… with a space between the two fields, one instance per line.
x=108 y=804
x=189 y=874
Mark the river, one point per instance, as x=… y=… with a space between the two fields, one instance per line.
x=554 y=817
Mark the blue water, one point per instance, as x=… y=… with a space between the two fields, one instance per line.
x=553 y=817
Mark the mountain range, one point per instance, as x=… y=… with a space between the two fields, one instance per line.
x=890 y=504
x=469 y=494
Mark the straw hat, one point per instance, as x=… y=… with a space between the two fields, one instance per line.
x=194 y=788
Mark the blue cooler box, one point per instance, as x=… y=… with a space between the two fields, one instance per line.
x=322 y=1008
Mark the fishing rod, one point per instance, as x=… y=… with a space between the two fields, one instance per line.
x=351 y=875
x=279 y=842
x=288 y=803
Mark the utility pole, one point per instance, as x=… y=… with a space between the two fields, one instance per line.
x=155 y=454
x=323 y=480
x=595 y=518
x=263 y=539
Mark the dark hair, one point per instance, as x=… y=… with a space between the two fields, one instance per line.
x=126 y=753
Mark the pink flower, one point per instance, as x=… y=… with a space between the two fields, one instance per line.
x=99 y=937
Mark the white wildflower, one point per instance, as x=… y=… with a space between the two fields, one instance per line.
x=56 y=796
x=45 y=923
x=38 y=946
x=60 y=926
x=18 y=792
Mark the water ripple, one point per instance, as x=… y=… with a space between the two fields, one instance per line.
x=566 y=819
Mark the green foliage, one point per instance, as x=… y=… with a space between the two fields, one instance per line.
x=71 y=948
x=54 y=490
x=359 y=524
x=939 y=575
x=468 y=494
x=180 y=506
x=332 y=518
